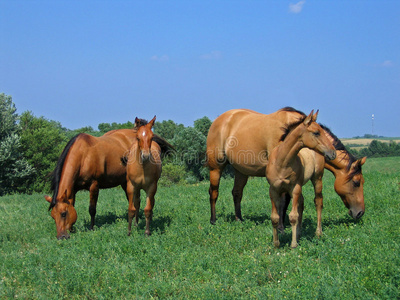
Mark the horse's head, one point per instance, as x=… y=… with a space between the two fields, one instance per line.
x=144 y=138
x=314 y=137
x=349 y=185
x=64 y=214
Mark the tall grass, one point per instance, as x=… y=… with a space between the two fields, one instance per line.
x=186 y=257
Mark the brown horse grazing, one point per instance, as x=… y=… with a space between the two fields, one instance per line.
x=89 y=163
x=244 y=139
x=242 y=136
x=349 y=180
x=286 y=171
x=143 y=171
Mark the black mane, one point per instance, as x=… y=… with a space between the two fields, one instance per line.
x=56 y=174
x=291 y=109
x=339 y=146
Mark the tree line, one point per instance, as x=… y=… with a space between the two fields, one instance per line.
x=30 y=147
x=378 y=149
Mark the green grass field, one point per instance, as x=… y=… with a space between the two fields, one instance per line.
x=186 y=257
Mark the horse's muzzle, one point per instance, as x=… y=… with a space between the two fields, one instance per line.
x=356 y=215
x=63 y=236
x=330 y=155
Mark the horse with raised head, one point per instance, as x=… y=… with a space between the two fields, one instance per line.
x=245 y=138
x=143 y=164
x=286 y=171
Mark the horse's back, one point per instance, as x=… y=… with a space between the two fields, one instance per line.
x=99 y=158
x=245 y=138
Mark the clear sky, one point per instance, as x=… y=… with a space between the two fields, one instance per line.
x=87 y=62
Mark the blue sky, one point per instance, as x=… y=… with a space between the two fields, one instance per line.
x=87 y=62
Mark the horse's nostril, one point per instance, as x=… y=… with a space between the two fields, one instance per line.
x=360 y=214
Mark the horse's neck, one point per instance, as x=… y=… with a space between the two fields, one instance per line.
x=67 y=180
x=339 y=164
x=288 y=150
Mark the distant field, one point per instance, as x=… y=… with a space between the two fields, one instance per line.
x=187 y=258
x=363 y=143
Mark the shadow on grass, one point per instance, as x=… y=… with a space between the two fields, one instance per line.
x=158 y=223
x=308 y=230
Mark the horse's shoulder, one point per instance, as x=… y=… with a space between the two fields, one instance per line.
x=86 y=138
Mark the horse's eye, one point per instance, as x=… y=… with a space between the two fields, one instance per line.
x=356 y=183
x=317 y=134
x=64 y=214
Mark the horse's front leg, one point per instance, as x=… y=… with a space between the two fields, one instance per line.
x=133 y=194
x=94 y=195
x=296 y=215
x=148 y=210
x=275 y=199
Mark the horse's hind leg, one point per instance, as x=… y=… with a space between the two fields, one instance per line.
x=237 y=193
x=282 y=212
x=215 y=177
x=94 y=195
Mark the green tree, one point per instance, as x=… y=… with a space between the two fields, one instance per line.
x=14 y=168
x=168 y=129
x=191 y=149
x=203 y=125
x=106 y=127
x=42 y=143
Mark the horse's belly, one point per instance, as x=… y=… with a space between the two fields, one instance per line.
x=250 y=170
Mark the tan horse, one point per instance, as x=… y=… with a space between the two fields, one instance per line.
x=143 y=172
x=242 y=136
x=244 y=139
x=286 y=171
x=89 y=163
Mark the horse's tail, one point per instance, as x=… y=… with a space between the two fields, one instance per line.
x=166 y=148
x=56 y=174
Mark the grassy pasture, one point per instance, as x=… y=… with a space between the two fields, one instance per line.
x=186 y=257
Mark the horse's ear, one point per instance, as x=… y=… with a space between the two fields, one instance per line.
x=48 y=198
x=361 y=161
x=308 y=120
x=137 y=122
x=314 y=118
x=152 y=121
